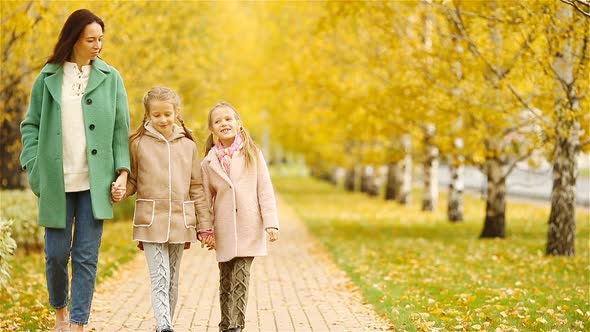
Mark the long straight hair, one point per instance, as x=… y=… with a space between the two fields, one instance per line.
x=164 y=94
x=70 y=33
x=249 y=150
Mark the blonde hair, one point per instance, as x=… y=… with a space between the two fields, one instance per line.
x=249 y=150
x=160 y=93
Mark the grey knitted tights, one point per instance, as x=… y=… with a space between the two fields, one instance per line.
x=163 y=261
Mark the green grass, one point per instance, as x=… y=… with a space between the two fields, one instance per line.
x=427 y=274
x=24 y=304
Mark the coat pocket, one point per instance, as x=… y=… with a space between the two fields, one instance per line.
x=188 y=212
x=33 y=176
x=144 y=212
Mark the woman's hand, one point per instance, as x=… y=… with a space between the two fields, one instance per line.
x=119 y=187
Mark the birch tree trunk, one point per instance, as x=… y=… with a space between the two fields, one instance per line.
x=373 y=182
x=405 y=196
x=561 y=237
x=456 y=185
x=366 y=178
x=393 y=182
x=495 y=223
x=495 y=219
x=430 y=167
x=350 y=179
x=430 y=164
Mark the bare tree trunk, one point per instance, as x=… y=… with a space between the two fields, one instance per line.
x=455 y=201
x=561 y=237
x=350 y=179
x=405 y=196
x=365 y=175
x=394 y=181
x=336 y=175
x=430 y=166
x=373 y=182
x=495 y=220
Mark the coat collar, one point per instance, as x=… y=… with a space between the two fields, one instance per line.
x=98 y=63
x=55 y=77
x=151 y=131
x=214 y=164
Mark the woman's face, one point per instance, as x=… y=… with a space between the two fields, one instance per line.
x=88 y=45
x=224 y=125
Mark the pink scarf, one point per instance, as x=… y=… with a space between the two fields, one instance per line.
x=224 y=154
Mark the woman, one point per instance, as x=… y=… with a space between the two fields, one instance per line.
x=75 y=148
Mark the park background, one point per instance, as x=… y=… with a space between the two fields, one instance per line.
x=359 y=108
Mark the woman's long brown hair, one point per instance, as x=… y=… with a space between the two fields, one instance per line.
x=70 y=33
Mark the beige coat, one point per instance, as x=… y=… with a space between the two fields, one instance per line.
x=243 y=203
x=166 y=175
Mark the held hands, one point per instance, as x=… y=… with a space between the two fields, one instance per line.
x=273 y=234
x=207 y=239
x=118 y=187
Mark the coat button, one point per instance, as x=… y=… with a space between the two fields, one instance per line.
x=88 y=101
x=91 y=127
x=94 y=151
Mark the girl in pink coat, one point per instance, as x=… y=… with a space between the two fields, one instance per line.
x=237 y=185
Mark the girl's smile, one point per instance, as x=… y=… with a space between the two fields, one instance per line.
x=224 y=125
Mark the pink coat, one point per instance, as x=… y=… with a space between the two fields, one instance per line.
x=244 y=205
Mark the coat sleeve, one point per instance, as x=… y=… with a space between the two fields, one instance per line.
x=131 y=186
x=29 y=128
x=197 y=193
x=209 y=192
x=121 y=129
x=266 y=196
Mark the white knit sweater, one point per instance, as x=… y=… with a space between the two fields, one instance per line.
x=72 y=124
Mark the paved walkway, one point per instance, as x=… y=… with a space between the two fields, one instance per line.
x=296 y=288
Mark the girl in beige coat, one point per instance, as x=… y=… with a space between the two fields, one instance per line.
x=171 y=206
x=237 y=184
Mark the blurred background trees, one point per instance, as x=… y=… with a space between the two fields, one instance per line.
x=378 y=89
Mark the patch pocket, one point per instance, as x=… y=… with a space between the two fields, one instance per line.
x=188 y=212
x=144 y=212
x=33 y=176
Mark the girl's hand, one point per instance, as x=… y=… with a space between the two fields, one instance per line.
x=273 y=234
x=119 y=187
x=207 y=239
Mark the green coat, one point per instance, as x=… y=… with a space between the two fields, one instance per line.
x=106 y=122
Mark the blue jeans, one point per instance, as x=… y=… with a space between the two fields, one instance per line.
x=84 y=246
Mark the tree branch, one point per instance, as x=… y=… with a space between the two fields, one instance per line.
x=583 y=3
x=525 y=103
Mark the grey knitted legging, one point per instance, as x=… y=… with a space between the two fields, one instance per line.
x=234 y=277
x=163 y=261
